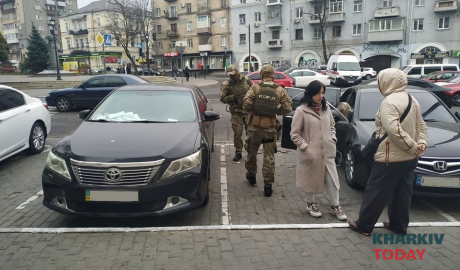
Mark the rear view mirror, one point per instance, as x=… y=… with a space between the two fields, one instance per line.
x=84 y=114
x=211 y=116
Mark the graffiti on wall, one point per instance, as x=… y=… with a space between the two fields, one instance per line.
x=385 y=47
x=308 y=63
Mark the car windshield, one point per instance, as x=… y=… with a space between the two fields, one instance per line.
x=429 y=74
x=455 y=79
x=349 y=66
x=255 y=76
x=370 y=82
x=432 y=109
x=146 y=106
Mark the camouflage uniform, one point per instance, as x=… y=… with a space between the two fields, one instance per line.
x=263 y=127
x=233 y=93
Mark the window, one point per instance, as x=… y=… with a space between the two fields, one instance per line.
x=299 y=34
x=299 y=12
x=41 y=28
x=443 y=23
x=223 y=22
x=418 y=24
x=356 y=29
x=242 y=1
x=257 y=17
x=189 y=26
x=358 y=6
x=159 y=29
x=446 y=4
x=429 y=69
x=337 y=31
x=242 y=18
x=189 y=8
x=386 y=24
x=223 y=3
x=223 y=40
x=419 y=3
x=335 y=6
x=10 y=99
x=38 y=7
x=190 y=43
x=203 y=22
x=387 y=3
x=242 y=38
x=68 y=45
x=76 y=43
x=258 y=37
x=158 y=12
x=39 y=17
x=160 y=46
x=276 y=34
x=113 y=81
x=204 y=39
x=415 y=71
x=98 y=82
x=67 y=27
x=316 y=33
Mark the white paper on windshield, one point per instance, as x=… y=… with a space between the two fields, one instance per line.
x=120 y=116
x=172 y=120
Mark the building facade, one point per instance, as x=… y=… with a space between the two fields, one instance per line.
x=17 y=17
x=380 y=33
x=203 y=27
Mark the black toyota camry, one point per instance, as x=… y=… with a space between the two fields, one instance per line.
x=144 y=150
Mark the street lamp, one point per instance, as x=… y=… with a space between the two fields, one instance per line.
x=147 y=39
x=89 y=58
x=51 y=24
x=249 y=40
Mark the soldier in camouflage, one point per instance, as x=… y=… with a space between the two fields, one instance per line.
x=264 y=100
x=233 y=93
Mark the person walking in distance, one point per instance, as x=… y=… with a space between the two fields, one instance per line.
x=233 y=93
x=399 y=122
x=187 y=73
x=264 y=100
x=313 y=131
x=175 y=71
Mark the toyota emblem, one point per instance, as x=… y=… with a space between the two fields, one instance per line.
x=440 y=165
x=113 y=175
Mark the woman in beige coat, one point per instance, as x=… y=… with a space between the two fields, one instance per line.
x=313 y=131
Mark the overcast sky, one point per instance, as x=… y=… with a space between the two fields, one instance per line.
x=82 y=3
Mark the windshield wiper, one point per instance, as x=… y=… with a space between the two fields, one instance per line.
x=367 y=119
x=147 y=121
x=99 y=120
x=430 y=120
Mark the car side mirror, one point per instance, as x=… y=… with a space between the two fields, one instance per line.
x=84 y=114
x=362 y=69
x=335 y=69
x=211 y=116
x=457 y=113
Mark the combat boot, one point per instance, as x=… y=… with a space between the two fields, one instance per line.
x=251 y=178
x=268 y=190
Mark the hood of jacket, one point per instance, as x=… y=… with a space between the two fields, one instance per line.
x=391 y=80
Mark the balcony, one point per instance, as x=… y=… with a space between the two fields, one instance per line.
x=205 y=48
x=171 y=16
x=334 y=17
x=203 y=30
x=171 y=33
x=12 y=41
x=11 y=31
x=274 y=43
x=9 y=19
x=274 y=2
x=9 y=10
x=274 y=22
x=382 y=12
x=52 y=2
x=78 y=32
x=170 y=1
x=51 y=12
x=389 y=35
x=445 y=6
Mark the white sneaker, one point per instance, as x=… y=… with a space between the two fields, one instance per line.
x=313 y=210
x=337 y=211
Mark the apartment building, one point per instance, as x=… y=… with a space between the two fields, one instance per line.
x=17 y=17
x=380 y=33
x=201 y=26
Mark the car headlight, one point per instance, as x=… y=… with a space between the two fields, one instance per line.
x=183 y=164
x=57 y=164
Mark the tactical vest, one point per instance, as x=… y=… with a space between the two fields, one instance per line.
x=266 y=100
x=240 y=89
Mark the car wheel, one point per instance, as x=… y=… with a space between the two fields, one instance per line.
x=37 y=139
x=350 y=167
x=63 y=104
x=456 y=99
x=368 y=77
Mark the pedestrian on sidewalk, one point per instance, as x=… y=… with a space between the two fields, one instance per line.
x=175 y=71
x=313 y=131
x=392 y=174
x=187 y=73
x=264 y=100
x=232 y=94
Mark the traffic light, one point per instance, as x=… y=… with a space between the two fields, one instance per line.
x=154 y=36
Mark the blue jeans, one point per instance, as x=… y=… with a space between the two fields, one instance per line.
x=175 y=75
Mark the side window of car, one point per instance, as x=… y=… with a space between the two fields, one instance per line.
x=115 y=82
x=415 y=71
x=278 y=76
x=9 y=99
x=345 y=95
x=445 y=76
x=200 y=100
x=255 y=76
x=453 y=68
x=98 y=82
x=308 y=73
x=429 y=69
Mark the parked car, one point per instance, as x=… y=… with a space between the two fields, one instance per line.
x=304 y=77
x=455 y=92
x=416 y=71
x=281 y=78
x=437 y=171
x=25 y=122
x=368 y=73
x=89 y=93
x=282 y=69
x=440 y=76
x=344 y=70
x=144 y=150
x=455 y=79
x=153 y=72
x=444 y=93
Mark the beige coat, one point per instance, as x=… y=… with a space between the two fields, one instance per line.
x=315 y=138
x=403 y=138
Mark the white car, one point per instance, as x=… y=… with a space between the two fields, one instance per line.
x=304 y=77
x=25 y=122
x=368 y=73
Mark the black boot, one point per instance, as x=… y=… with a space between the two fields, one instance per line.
x=251 y=178
x=268 y=190
x=237 y=157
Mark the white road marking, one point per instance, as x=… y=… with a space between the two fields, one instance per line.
x=213 y=228
x=223 y=187
x=31 y=199
x=440 y=212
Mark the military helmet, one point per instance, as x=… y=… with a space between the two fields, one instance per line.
x=267 y=71
x=232 y=69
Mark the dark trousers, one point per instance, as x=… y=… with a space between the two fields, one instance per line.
x=388 y=184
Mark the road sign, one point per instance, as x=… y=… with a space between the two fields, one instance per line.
x=99 y=38
x=108 y=39
x=457 y=54
x=181 y=49
x=139 y=44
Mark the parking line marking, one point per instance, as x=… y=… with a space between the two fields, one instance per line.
x=31 y=199
x=223 y=187
x=440 y=212
x=343 y=225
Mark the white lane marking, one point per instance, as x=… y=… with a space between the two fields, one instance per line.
x=440 y=212
x=213 y=227
x=31 y=199
x=223 y=187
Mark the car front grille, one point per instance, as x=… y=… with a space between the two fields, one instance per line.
x=350 y=78
x=439 y=166
x=109 y=207
x=126 y=174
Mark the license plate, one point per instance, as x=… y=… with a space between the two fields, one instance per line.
x=433 y=181
x=111 y=196
x=351 y=82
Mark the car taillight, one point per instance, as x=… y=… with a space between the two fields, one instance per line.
x=46 y=106
x=449 y=93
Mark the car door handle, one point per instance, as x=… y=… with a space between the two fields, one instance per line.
x=28 y=110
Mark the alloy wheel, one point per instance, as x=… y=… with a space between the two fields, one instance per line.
x=456 y=99
x=38 y=137
x=63 y=104
x=368 y=77
x=349 y=165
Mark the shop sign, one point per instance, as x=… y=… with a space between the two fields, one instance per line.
x=456 y=54
x=171 y=54
x=204 y=54
x=430 y=54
